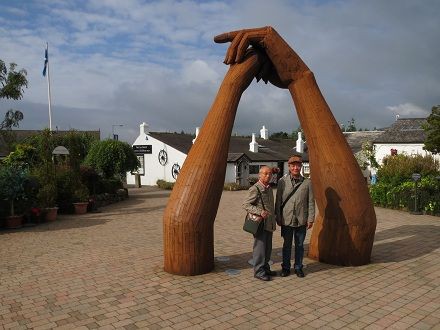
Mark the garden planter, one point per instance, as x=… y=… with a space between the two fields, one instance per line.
x=51 y=213
x=81 y=207
x=14 y=221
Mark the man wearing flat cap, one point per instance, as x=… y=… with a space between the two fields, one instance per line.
x=295 y=213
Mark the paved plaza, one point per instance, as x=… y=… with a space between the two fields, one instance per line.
x=104 y=270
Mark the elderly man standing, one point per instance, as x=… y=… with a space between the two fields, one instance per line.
x=260 y=202
x=295 y=213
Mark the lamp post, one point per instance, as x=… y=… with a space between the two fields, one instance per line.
x=115 y=136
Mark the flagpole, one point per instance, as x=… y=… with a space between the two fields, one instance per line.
x=48 y=87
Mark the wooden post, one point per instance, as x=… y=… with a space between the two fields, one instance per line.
x=190 y=213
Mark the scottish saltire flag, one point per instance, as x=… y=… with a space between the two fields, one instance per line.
x=46 y=61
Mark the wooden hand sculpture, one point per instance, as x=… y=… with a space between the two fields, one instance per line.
x=192 y=207
x=344 y=230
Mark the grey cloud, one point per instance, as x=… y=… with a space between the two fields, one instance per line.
x=367 y=56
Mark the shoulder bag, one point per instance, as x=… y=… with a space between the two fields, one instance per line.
x=253 y=222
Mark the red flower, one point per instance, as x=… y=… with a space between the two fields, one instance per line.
x=36 y=211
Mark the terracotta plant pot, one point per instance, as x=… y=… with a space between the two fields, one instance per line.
x=51 y=213
x=80 y=207
x=14 y=221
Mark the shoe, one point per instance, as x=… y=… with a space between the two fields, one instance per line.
x=299 y=273
x=271 y=273
x=262 y=277
x=284 y=273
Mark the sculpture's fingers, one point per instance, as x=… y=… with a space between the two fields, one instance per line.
x=232 y=50
x=250 y=37
x=241 y=49
x=229 y=36
x=225 y=37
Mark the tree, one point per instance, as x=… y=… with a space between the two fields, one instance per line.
x=351 y=126
x=279 y=135
x=112 y=158
x=12 y=87
x=432 y=130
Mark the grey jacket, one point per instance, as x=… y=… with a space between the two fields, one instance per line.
x=300 y=208
x=252 y=204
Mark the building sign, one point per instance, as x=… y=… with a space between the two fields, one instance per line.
x=142 y=149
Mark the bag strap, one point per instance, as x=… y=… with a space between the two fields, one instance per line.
x=261 y=197
x=291 y=194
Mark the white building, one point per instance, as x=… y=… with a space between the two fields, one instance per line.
x=162 y=155
x=404 y=136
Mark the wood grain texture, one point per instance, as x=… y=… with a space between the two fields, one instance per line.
x=190 y=213
x=343 y=232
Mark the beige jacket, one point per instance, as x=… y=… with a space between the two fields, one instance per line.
x=300 y=208
x=252 y=204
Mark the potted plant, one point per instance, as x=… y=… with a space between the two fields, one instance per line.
x=81 y=197
x=46 y=197
x=12 y=188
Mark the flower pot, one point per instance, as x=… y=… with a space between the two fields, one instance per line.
x=80 y=207
x=14 y=221
x=51 y=213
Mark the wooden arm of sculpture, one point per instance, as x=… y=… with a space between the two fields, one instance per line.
x=343 y=233
x=192 y=207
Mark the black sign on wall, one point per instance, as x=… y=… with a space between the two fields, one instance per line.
x=142 y=149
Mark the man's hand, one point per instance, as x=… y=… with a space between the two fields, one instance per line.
x=265 y=214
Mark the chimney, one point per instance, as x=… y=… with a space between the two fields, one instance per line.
x=300 y=143
x=253 y=146
x=197 y=134
x=264 y=133
x=143 y=128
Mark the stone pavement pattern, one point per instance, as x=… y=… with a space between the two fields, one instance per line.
x=104 y=270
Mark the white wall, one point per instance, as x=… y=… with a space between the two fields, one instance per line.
x=231 y=173
x=384 y=149
x=153 y=169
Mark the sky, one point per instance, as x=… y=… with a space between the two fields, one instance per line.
x=115 y=64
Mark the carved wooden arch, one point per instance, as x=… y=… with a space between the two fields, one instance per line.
x=343 y=233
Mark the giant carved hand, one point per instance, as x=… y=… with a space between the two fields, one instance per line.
x=285 y=65
x=190 y=213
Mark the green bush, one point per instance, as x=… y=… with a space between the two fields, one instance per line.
x=65 y=181
x=112 y=158
x=111 y=186
x=13 y=181
x=81 y=193
x=165 y=184
x=395 y=188
x=399 y=168
x=402 y=196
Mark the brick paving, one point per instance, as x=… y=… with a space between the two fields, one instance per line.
x=104 y=271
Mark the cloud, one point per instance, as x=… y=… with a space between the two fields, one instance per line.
x=409 y=110
x=116 y=62
x=199 y=72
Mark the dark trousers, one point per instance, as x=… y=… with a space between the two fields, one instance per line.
x=262 y=251
x=299 y=234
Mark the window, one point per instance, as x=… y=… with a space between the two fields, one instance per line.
x=254 y=169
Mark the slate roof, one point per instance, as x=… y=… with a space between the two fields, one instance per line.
x=268 y=151
x=355 y=139
x=404 y=130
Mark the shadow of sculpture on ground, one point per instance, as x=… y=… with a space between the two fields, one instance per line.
x=405 y=242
